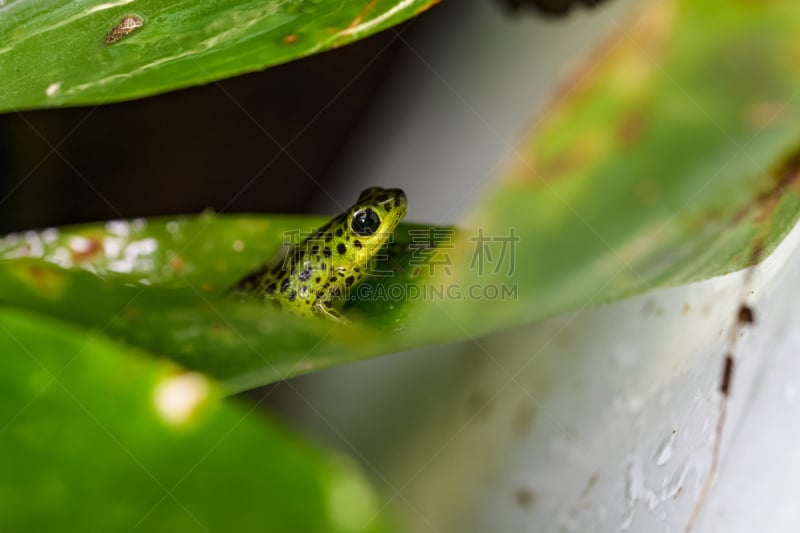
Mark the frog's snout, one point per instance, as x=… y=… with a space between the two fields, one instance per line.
x=386 y=199
x=400 y=199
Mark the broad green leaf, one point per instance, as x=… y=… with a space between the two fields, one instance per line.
x=58 y=52
x=672 y=159
x=95 y=437
x=161 y=285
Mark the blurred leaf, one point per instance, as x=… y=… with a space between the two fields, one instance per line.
x=56 y=53
x=672 y=158
x=96 y=438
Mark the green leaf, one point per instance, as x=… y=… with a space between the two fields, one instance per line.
x=161 y=285
x=673 y=159
x=97 y=438
x=58 y=53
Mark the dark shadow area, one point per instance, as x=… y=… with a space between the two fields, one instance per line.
x=260 y=142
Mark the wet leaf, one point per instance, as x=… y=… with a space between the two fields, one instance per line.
x=99 y=437
x=87 y=52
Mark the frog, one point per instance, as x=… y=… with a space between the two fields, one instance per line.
x=314 y=274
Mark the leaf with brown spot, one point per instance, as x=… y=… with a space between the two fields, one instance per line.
x=72 y=53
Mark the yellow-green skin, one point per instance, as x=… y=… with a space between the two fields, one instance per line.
x=323 y=267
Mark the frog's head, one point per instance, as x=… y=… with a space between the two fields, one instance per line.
x=371 y=221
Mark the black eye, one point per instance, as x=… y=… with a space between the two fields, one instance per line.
x=365 y=222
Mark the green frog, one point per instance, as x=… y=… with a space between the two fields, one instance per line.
x=320 y=269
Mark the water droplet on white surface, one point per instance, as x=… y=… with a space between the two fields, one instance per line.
x=664 y=451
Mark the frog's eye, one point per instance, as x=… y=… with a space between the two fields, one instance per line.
x=365 y=222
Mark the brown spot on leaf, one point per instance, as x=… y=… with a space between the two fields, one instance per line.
x=89 y=247
x=360 y=18
x=785 y=178
x=630 y=129
x=622 y=67
x=126 y=26
x=757 y=252
x=177 y=263
x=761 y=115
x=524 y=497
x=290 y=39
x=45 y=280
